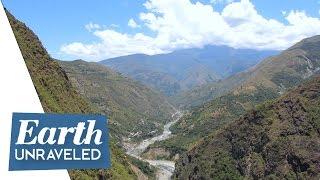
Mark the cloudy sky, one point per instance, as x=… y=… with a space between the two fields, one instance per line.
x=97 y=30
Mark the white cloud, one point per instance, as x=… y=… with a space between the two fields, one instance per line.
x=283 y=13
x=183 y=24
x=112 y=44
x=221 y=1
x=114 y=26
x=132 y=23
x=92 y=26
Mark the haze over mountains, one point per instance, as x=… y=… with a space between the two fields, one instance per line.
x=185 y=69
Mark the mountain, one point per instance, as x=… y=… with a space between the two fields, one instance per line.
x=133 y=109
x=280 y=139
x=57 y=95
x=267 y=80
x=279 y=72
x=183 y=70
x=200 y=95
x=53 y=87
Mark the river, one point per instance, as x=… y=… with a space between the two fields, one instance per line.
x=164 y=168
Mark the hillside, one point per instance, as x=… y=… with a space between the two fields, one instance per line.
x=267 y=80
x=210 y=117
x=57 y=95
x=133 y=109
x=183 y=70
x=200 y=95
x=287 y=69
x=280 y=73
x=279 y=139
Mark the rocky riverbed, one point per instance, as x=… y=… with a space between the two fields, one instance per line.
x=164 y=168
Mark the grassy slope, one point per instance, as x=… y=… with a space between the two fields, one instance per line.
x=58 y=95
x=131 y=107
x=267 y=80
x=280 y=139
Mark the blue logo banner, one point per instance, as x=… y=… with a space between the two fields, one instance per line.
x=58 y=141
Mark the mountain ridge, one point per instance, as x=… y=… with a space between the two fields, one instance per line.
x=185 y=69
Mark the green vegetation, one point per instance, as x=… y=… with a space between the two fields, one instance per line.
x=145 y=167
x=133 y=109
x=287 y=80
x=211 y=117
x=54 y=89
x=277 y=140
x=198 y=96
x=59 y=96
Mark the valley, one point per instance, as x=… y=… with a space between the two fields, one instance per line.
x=146 y=112
x=202 y=113
x=238 y=94
x=135 y=111
x=165 y=168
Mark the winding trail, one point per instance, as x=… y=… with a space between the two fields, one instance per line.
x=165 y=168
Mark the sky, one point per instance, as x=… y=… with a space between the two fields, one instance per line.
x=101 y=29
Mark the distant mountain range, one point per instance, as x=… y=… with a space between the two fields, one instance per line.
x=185 y=69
